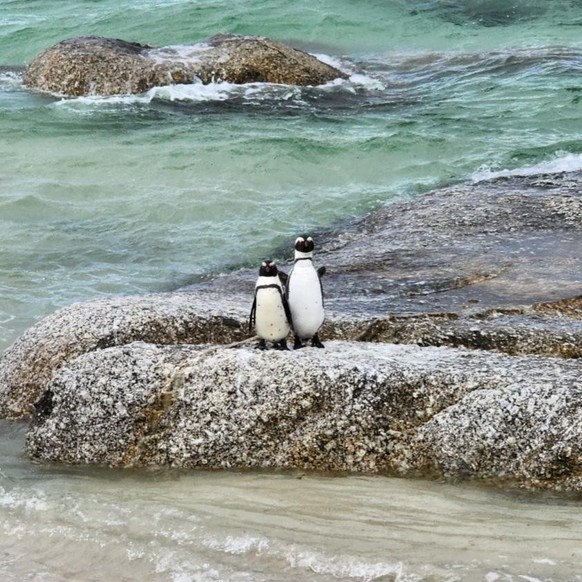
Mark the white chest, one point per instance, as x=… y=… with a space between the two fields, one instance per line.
x=270 y=319
x=305 y=299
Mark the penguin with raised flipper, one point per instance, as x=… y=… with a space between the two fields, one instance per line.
x=270 y=314
x=305 y=294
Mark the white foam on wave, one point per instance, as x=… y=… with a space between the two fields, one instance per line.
x=10 y=80
x=333 y=62
x=345 y=567
x=87 y=106
x=355 y=81
x=560 y=163
x=25 y=501
x=195 y=92
x=188 y=54
x=237 y=544
x=213 y=92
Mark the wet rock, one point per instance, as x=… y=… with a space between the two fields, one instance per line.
x=104 y=66
x=374 y=408
x=466 y=250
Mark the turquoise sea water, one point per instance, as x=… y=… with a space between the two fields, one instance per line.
x=151 y=192
x=136 y=194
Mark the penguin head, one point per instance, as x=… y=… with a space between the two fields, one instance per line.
x=268 y=268
x=304 y=244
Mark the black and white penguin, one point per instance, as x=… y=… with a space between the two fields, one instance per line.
x=305 y=294
x=270 y=314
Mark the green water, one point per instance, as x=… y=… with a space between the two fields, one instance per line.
x=137 y=194
x=151 y=192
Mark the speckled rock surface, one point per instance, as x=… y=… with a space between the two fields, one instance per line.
x=106 y=66
x=354 y=407
x=27 y=366
x=527 y=431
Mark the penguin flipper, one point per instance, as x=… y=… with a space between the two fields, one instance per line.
x=287 y=309
x=321 y=271
x=321 y=287
x=288 y=283
x=284 y=277
x=253 y=315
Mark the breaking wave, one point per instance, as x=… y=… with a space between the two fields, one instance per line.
x=562 y=162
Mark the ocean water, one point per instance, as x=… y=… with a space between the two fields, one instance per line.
x=123 y=195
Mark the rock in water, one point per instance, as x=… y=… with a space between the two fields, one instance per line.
x=103 y=66
x=363 y=407
x=91 y=66
x=490 y=270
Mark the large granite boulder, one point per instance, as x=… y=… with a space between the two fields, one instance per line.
x=490 y=272
x=353 y=407
x=104 y=66
x=492 y=266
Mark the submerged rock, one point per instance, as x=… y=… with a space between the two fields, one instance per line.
x=104 y=66
x=481 y=12
x=355 y=407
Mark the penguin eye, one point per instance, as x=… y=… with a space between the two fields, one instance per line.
x=299 y=239
x=263 y=264
x=309 y=239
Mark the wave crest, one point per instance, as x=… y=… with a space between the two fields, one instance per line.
x=561 y=163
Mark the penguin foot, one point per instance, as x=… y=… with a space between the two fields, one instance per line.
x=262 y=345
x=282 y=345
x=298 y=344
x=316 y=343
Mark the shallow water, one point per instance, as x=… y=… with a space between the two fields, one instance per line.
x=151 y=192
x=79 y=524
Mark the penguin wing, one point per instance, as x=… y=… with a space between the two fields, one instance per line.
x=288 y=283
x=284 y=277
x=286 y=308
x=253 y=314
x=321 y=272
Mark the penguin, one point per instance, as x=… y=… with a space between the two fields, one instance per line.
x=305 y=294
x=270 y=314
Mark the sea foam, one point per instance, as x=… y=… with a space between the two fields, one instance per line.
x=560 y=163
